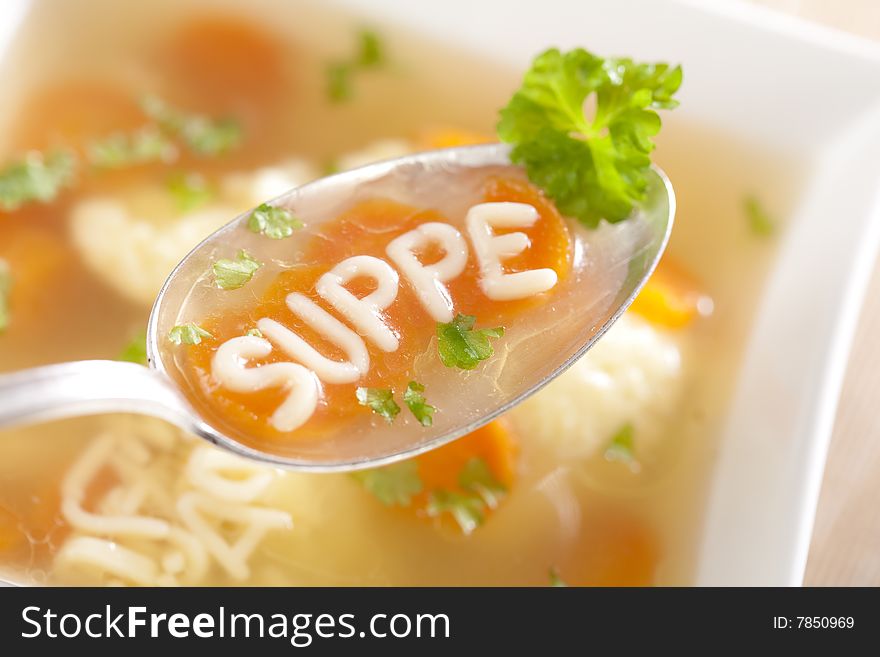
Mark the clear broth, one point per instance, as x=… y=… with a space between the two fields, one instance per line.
x=343 y=536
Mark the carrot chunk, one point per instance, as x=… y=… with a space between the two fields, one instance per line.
x=36 y=257
x=445 y=137
x=10 y=534
x=225 y=61
x=671 y=298
x=465 y=480
x=493 y=443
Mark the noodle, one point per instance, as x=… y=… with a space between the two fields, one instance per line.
x=254 y=522
x=206 y=470
x=166 y=519
x=107 y=557
x=73 y=489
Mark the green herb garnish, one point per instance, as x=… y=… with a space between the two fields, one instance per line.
x=760 y=223
x=339 y=87
x=35 y=178
x=460 y=345
x=128 y=149
x=392 y=484
x=202 y=134
x=136 y=350
x=233 y=274
x=370 y=54
x=189 y=190
x=480 y=492
x=211 y=137
x=188 y=334
x=555 y=579
x=275 y=223
x=621 y=447
x=5 y=289
x=380 y=400
x=255 y=332
x=416 y=402
x=476 y=477
x=593 y=167
x=466 y=509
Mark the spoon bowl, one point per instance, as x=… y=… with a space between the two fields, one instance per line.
x=610 y=265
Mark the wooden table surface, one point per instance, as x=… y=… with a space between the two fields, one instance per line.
x=845 y=549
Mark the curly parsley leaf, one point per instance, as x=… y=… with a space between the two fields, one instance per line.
x=274 y=223
x=121 y=149
x=370 y=54
x=189 y=191
x=592 y=167
x=136 y=350
x=380 y=400
x=35 y=178
x=622 y=449
x=203 y=135
x=188 y=334
x=460 y=345
x=5 y=289
x=415 y=400
x=760 y=222
x=233 y=274
x=392 y=484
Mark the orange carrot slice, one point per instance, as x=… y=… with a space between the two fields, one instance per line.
x=671 y=298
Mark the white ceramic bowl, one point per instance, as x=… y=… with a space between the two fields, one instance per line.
x=766 y=78
x=791 y=85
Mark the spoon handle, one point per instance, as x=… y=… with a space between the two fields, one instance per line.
x=90 y=387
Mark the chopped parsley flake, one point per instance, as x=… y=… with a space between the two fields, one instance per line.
x=120 y=150
x=476 y=477
x=370 y=54
x=466 y=509
x=136 y=350
x=339 y=87
x=392 y=484
x=480 y=492
x=593 y=167
x=35 y=178
x=255 y=332
x=211 y=137
x=760 y=223
x=189 y=190
x=555 y=579
x=621 y=447
x=416 y=402
x=460 y=345
x=202 y=134
x=188 y=334
x=380 y=400
x=274 y=223
x=233 y=274
x=5 y=289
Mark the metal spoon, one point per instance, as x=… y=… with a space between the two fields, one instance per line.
x=617 y=260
